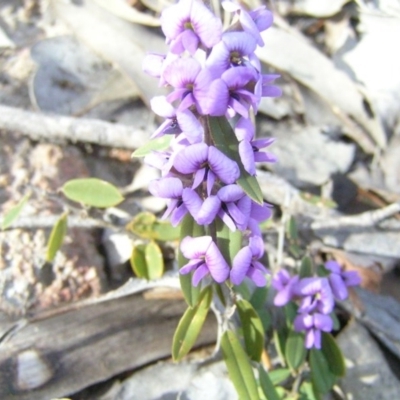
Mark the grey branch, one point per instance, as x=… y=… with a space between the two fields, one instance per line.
x=39 y=126
x=366 y=219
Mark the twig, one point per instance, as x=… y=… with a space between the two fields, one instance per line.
x=60 y=128
x=366 y=219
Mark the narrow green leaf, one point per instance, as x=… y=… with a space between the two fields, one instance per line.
x=159 y=144
x=278 y=376
x=190 y=325
x=292 y=230
x=163 y=230
x=154 y=260
x=253 y=330
x=11 y=215
x=267 y=385
x=333 y=354
x=290 y=313
x=229 y=243
x=56 y=238
x=92 y=192
x=306 y=267
x=190 y=293
x=138 y=262
x=225 y=140
x=321 y=376
x=335 y=319
x=295 y=352
x=239 y=367
x=280 y=337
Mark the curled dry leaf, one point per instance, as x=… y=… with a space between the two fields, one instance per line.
x=293 y=55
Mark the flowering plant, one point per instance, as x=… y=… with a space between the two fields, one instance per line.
x=207 y=152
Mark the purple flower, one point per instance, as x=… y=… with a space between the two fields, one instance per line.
x=189 y=24
x=170 y=188
x=316 y=295
x=206 y=163
x=204 y=258
x=284 y=284
x=313 y=324
x=259 y=213
x=340 y=280
x=176 y=121
x=232 y=51
x=246 y=263
x=250 y=153
x=203 y=211
x=252 y=22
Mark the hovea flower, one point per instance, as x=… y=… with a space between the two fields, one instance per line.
x=204 y=258
x=252 y=22
x=170 y=188
x=250 y=153
x=189 y=24
x=313 y=324
x=203 y=211
x=284 y=284
x=233 y=50
x=176 y=121
x=207 y=163
x=246 y=263
x=316 y=295
x=340 y=280
x=258 y=213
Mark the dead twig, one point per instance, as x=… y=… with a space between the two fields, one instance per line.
x=60 y=128
x=366 y=219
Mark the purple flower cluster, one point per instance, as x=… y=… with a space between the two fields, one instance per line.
x=211 y=73
x=316 y=297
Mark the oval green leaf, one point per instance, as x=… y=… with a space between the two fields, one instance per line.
x=277 y=376
x=333 y=354
x=225 y=140
x=138 y=262
x=159 y=144
x=154 y=260
x=295 y=352
x=239 y=367
x=11 y=215
x=142 y=225
x=306 y=267
x=56 y=239
x=321 y=376
x=92 y=192
x=253 y=330
x=267 y=385
x=190 y=325
x=292 y=230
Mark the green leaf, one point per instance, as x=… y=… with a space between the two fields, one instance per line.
x=146 y=225
x=266 y=384
x=335 y=319
x=225 y=140
x=154 y=260
x=92 y=192
x=138 y=262
x=306 y=267
x=253 y=330
x=11 y=215
x=295 y=352
x=159 y=144
x=277 y=376
x=333 y=354
x=290 y=313
x=292 y=230
x=56 y=238
x=190 y=293
x=239 y=367
x=307 y=392
x=280 y=337
x=229 y=243
x=190 y=325
x=321 y=376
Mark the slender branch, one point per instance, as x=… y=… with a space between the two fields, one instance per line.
x=366 y=219
x=56 y=127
